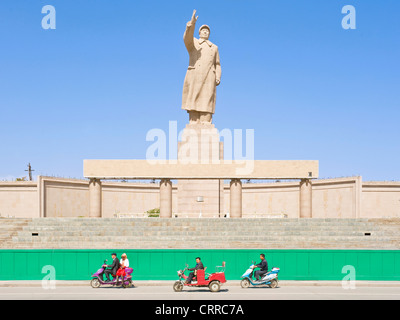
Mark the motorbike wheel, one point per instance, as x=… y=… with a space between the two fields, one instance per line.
x=95 y=283
x=214 y=286
x=178 y=286
x=245 y=283
x=273 y=284
x=129 y=285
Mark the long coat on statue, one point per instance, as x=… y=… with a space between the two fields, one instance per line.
x=199 y=88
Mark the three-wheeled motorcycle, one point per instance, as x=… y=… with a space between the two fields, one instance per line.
x=202 y=279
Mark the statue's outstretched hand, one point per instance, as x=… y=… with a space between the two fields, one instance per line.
x=194 y=18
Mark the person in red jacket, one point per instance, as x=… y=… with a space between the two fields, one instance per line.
x=124 y=263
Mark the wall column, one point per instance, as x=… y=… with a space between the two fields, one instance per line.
x=165 y=198
x=235 y=198
x=95 y=198
x=305 y=198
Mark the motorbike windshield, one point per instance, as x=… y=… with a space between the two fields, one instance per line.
x=248 y=271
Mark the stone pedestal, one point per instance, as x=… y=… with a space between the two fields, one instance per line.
x=200 y=144
x=95 y=198
x=305 y=198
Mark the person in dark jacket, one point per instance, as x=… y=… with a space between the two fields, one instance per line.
x=113 y=268
x=263 y=265
x=199 y=266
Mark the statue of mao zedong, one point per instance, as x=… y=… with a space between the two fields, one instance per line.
x=203 y=74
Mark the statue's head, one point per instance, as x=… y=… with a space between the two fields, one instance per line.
x=204 y=32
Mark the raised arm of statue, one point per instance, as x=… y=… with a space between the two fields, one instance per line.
x=189 y=32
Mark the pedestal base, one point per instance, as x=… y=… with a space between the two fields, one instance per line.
x=200 y=198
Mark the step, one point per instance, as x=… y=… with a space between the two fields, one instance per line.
x=93 y=238
x=199 y=233
x=202 y=245
x=253 y=224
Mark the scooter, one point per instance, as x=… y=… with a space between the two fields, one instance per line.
x=97 y=278
x=270 y=278
x=202 y=279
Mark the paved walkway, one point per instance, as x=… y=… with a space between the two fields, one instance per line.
x=228 y=292
x=138 y=283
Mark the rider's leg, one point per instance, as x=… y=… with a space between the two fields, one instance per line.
x=101 y=276
x=260 y=273
x=107 y=273
x=190 y=277
x=122 y=275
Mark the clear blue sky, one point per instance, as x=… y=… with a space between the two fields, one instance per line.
x=113 y=70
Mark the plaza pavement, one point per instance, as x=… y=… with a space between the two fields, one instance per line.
x=162 y=290
x=141 y=283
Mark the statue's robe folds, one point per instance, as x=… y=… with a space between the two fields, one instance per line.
x=199 y=88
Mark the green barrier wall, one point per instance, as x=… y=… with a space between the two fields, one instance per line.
x=163 y=264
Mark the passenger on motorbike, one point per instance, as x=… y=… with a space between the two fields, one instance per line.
x=124 y=263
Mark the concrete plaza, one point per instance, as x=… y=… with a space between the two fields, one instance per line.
x=156 y=290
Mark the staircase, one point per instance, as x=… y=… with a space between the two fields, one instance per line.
x=204 y=233
x=9 y=227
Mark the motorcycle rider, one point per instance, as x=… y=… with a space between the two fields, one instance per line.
x=113 y=268
x=263 y=265
x=199 y=266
